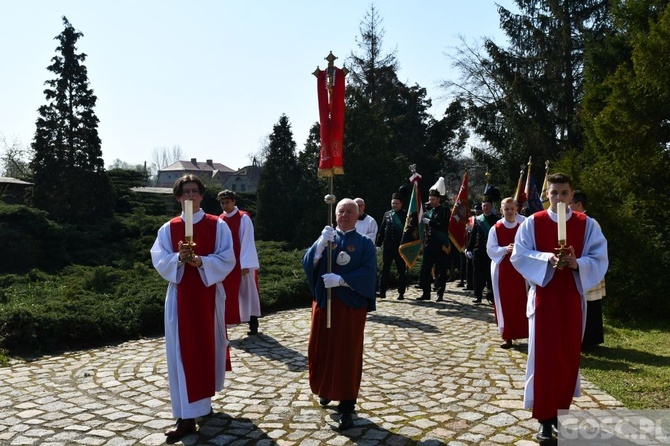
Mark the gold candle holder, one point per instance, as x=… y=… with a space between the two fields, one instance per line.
x=561 y=252
x=190 y=244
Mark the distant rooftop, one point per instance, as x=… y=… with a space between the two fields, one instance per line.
x=194 y=164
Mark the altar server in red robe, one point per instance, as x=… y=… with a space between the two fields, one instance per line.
x=243 y=303
x=556 y=304
x=509 y=287
x=335 y=354
x=195 y=335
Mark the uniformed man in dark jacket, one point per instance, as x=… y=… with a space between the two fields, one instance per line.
x=477 y=250
x=435 y=248
x=388 y=237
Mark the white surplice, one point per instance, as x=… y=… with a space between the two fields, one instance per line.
x=535 y=267
x=215 y=267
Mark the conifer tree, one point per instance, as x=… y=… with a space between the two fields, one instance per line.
x=524 y=99
x=69 y=177
x=387 y=126
x=278 y=186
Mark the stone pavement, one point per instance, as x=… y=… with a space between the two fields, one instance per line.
x=433 y=374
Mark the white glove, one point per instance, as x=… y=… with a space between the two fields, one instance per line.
x=331 y=280
x=327 y=235
x=468 y=254
x=425 y=220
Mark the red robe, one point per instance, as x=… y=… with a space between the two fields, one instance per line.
x=196 y=310
x=558 y=322
x=511 y=288
x=328 y=377
x=232 y=281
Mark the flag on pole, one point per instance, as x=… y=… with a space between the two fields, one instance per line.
x=330 y=92
x=545 y=186
x=459 y=216
x=520 y=195
x=534 y=200
x=412 y=235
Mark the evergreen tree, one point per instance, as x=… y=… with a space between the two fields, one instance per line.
x=626 y=163
x=277 y=187
x=69 y=177
x=524 y=100
x=311 y=210
x=387 y=126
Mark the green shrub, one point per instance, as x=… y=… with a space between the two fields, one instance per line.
x=85 y=306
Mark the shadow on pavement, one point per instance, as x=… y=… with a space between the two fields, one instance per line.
x=221 y=428
x=267 y=346
x=365 y=430
x=402 y=322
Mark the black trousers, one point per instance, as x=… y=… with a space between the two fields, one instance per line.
x=481 y=263
x=433 y=257
x=593 y=332
x=390 y=255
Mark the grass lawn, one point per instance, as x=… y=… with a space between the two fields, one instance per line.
x=633 y=365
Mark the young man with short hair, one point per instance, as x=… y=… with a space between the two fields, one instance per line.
x=555 y=300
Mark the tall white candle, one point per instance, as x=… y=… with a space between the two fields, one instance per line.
x=188 y=217
x=560 y=210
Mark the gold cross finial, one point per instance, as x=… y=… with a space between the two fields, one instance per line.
x=330 y=58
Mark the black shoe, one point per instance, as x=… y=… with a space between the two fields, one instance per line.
x=324 y=401
x=460 y=284
x=507 y=344
x=345 y=421
x=439 y=299
x=545 y=433
x=477 y=301
x=401 y=297
x=423 y=298
x=252 y=332
x=182 y=428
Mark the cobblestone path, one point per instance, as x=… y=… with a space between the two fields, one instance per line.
x=433 y=374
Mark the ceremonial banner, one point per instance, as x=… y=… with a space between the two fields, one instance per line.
x=331 y=119
x=459 y=216
x=520 y=195
x=534 y=200
x=543 y=195
x=412 y=236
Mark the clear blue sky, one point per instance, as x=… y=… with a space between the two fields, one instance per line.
x=214 y=76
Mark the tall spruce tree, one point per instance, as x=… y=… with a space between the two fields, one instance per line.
x=387 y=125
x=625 y=167
x=311 y=211
x=524 y=99
x=69 y=177
x=278 y=185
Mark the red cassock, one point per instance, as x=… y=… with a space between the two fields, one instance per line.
x=328 y=377
x=558 y=322
x=196 y=311
x=512 y=290
x=232 y=281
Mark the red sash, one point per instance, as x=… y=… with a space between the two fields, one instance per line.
x=558 y=322
x=511 y=288
x=232 y=281
x=195 y=312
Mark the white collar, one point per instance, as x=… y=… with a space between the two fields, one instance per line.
x=232 y=213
